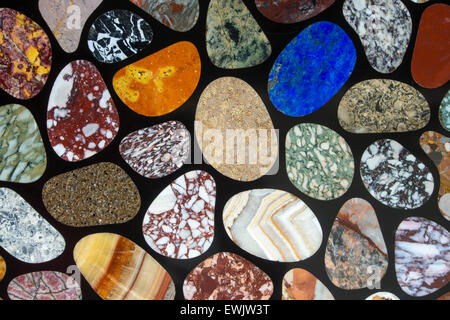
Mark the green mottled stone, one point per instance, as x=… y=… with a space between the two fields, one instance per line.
x=234 y=39
x=318 y=161
x=22 y=152
x=444 y=112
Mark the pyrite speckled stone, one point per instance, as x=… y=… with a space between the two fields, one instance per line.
x=299 y=284
x=382 y=296
x=178 y=15
x=160 y=83
x=291 y=11
x=96 y=195
x=82 y=118
x=45 y=285
x=444 y=112
x=25 y=55
x=319 y=162
x=430 y=65
x=437 y=147
x=22 y=153
x=394 y=176
x=118 y=269
x=309 y=71
x=234 y=39
x=2 y=268
x=179 y=223
x=273 y=225
x=118 y=35
x=384 y=27
x=157 y=151
x=356 y=254
x=381 y=106
x=66 y=19
x=24 y=233
x=229 y=112
x=227 y=276
x=422 y=256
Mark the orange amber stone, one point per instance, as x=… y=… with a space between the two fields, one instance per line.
x=161 y=82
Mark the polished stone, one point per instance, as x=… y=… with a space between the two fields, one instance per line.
x=299 y=284
x=2 y=268
x=382 y=296
x=444 y=112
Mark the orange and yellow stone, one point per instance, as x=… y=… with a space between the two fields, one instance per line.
x=118 y=269
x=2 y=267
x=161 y=82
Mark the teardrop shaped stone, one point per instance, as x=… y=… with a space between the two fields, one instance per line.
x=384 y=28
x=273 y=225
x=118 y=269
x=2 y=268
x=319 y=162
x=178 y=15
x=383 y=106
x=96 y=195
x=234 y=39
x=422 y=256
x=22 y=153
x=160 y=83
x=382 y=296
x=118 y=35
x=82 y=118
x=227 y=276
x=437 y=147
x=157 y=151
x=299 y=284
x=26 y=57
x=308 y=72
x=229 y=112
x=24 y=233
x=444 y=112
x=356 y=255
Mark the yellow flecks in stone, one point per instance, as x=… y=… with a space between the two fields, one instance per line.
x=19 y=67
x=138 y=74
x=42 y=70
x=2 y=39
x=32 y=54
x=163 y=73
x=26 y=92
x=122 y=86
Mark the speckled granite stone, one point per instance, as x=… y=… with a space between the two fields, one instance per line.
x=394 y=176
x=299 y=284
x=309 y=72
x=227 y=276
x=233 y=37
x=99 y=194
x=2 y=268
x=384 y=27
x=24 y=233
x=382 y=105
x=22 y=153
x=444 y=112
x=319 y=162
x=382 y=296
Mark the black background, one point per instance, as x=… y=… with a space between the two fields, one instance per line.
x=326 y=211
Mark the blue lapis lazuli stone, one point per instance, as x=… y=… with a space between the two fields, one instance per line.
x=311 y=69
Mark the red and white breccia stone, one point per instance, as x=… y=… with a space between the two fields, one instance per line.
x=82 y=118
x=179 y=223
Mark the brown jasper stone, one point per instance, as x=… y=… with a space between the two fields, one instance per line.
x=430 y=63
x=96 y=195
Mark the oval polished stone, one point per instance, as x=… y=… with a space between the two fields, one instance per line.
x=299 y=284
x=45 y=285
x=82 y=118
x=178 y=15
x=273 y=225
x=22 y=153
x=26 y=57
x=24 y=233
x=437 y=147
x=356 y=255
x=382 y=296
x=291 y=11
x=227 y=276
x=384 y=28
x=382 y=106
x=308 y=72
x=422 y=256
x=157 y=151
x=179 y=223
x=161 y=82
x=444 y=112
x=2 y=268
x=118 y=269
x=229 y=112
x=234 y=39
x=319 y=162
x=394 y=176
x=96 y=195
x=430 y=65
x=118 y=35
x=66 y=19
